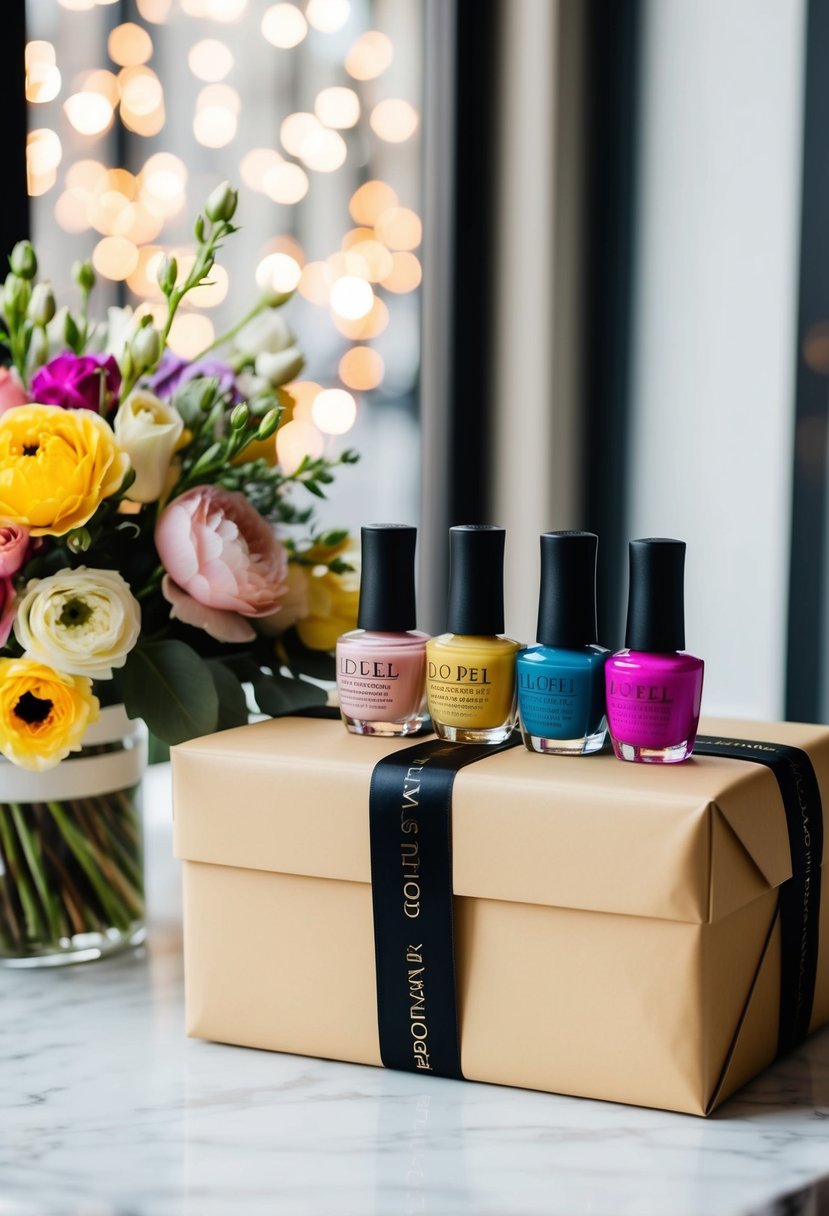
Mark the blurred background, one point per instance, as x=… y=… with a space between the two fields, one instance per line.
x=558 y=264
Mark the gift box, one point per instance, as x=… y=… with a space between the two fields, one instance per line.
x=620 y=930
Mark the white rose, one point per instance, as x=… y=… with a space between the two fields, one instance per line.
x=266 y=332
x=148 y=430
x=82 y=622
x=281 y=366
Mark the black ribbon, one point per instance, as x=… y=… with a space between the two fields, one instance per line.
x=800 y=895
x=410 y=811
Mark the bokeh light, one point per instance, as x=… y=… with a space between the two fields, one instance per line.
x=278 y=272
x=328 y=16
x=155 y=11
x=77 y=6
x=211 y=293
x=115 y=257
x=394 y=120
x=315 y=283
x=215 y=10
x=337 y=107
x=210 y=60
x=351 y=297
x=399 y=228
x=284 y=26
x=163 y=182
x=378 y=260
x=304 y=393
x=286 y=183
x=369 y=56
x=370 y=200
x=217 y=115
x=191 y=333
x=296 y=440
x=364 y=328
x=104 y=82
x=334 y=411
x=323 y=150
x=361 y=368
x=255 y=164
x=43 y=79
x=89 y=113
x=405 y=275
x=296 y=130
x=129 y=45
x=43 y=151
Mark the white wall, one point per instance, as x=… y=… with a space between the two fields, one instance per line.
x=715 y=325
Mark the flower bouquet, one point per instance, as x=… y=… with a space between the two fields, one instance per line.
x=157 y=565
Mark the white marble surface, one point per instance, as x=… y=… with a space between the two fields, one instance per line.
x=106 y=1109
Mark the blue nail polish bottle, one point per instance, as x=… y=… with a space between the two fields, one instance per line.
x=561 y=682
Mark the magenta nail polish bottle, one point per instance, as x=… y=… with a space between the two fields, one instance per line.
x=654 y=688
x=381 y=666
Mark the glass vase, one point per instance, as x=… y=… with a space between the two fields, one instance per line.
x=71 y=850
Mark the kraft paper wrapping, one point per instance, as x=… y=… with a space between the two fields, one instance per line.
x=616 y=924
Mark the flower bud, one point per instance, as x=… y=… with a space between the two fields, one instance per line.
x=23 y=260
x=269 y=424
x=42 y=306
x=39 y=347
x=146 y=348
x=84 y=275
x=274 y=298
x=79 y=540
x=221 y=204
x=16 y=295
x=167 y=273
x=198 y=228
x=71 y=336
x=239 y=416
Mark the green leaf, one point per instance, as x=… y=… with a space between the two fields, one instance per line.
x=172 y=689
x=276 y=695
x=233 y=706
x=315 y=663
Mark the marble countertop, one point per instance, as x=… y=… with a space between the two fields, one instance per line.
x=106 y=1109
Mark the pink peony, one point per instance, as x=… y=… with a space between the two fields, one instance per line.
x=12 y=392
x=223 y=626
x=14 y=547
x=7 y=609
x=78 y=382
x=218 y=549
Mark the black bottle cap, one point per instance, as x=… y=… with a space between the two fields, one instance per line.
x=476 y=579
x=656 y=600
x=567 y=602
x=387 y=587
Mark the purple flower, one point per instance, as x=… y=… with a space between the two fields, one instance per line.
x=173 y=372
x=78 y=382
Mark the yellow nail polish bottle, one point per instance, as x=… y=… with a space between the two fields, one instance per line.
x=470 y=681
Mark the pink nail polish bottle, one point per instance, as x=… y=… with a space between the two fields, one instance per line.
x=654 y=688
x=381 y=666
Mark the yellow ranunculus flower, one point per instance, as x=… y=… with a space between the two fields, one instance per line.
x=44 y=713
x=333 y=601
x=56 y=467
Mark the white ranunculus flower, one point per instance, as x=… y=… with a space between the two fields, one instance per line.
x=82 y=622
x=148 y=430
x=266 y=332
x=280 y=366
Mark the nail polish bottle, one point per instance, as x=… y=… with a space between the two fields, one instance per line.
x=561 y=689
x=381 y=665
x=654 y=688
x=470 y=680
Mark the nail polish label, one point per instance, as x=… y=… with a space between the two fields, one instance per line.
x=653 y=701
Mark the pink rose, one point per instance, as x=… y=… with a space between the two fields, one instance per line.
x=7 y=609
x=14 y=546
x=218 y=549
x=12 y=392
x=78 y=382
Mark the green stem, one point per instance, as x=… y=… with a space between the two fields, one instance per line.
x=231 y=333
x=21 y=882
x=79 y=846
x=35 y=865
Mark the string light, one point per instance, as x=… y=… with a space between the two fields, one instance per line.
x=304 y=393
x=337 y=107
x=405 y=275
x=286 y=183
x=296 y=440
x=328 y=16
x=369 y=326
x=278 y=272
x=191 y=332
x=89 y=113
x=43 y=79
x=399 y=228
x=115 y=257
x=155 y=11
x=370 y=200
x=129 y=45
x=255 y=165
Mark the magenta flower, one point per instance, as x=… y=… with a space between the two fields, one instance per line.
x=78 y=382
